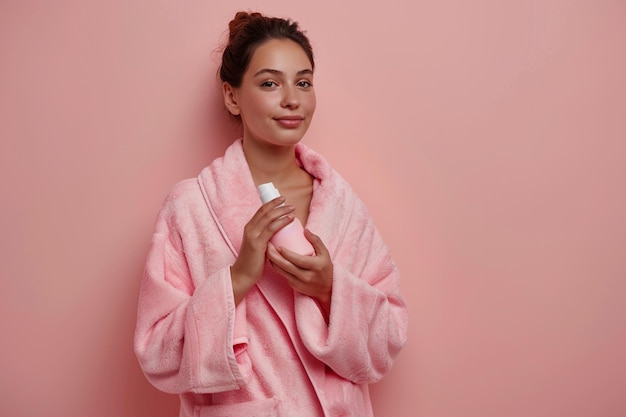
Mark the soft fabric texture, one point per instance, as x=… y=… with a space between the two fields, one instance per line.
x=273 y=354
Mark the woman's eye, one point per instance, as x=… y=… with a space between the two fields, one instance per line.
x=305 y=84
x=268 y=84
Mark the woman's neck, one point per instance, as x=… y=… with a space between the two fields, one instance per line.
x=271 y=163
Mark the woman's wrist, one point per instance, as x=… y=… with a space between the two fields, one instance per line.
x=241 y=283
x=324 y=306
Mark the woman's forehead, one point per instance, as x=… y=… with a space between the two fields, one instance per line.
x=282 y=55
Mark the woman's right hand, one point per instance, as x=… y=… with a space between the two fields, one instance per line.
x=248 y=268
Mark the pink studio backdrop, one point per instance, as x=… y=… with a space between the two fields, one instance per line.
x=487 y=138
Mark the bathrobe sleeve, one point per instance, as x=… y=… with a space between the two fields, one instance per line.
x=187 y=325
x=368 y=317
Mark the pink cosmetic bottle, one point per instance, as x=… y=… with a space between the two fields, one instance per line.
x=291 y=236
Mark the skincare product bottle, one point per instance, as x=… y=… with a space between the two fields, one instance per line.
x=291 y=236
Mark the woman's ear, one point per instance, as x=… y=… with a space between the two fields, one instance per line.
x=230 y=99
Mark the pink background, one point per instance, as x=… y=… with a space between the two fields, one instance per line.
x=487 y=138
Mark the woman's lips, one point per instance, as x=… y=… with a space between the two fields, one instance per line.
x=289 y=121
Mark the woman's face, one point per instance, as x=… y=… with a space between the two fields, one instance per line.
x=276 y=99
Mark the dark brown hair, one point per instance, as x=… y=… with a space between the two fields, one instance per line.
x=247 y=32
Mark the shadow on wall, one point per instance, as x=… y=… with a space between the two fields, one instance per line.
x=211 y=130
x=214 y=132
x=124 y=390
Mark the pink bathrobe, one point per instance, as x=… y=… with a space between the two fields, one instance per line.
x=273 y=354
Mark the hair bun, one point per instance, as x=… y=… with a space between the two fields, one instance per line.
x=240 y=20
x=245 y=15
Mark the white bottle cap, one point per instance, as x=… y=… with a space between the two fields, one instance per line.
x=268 y=192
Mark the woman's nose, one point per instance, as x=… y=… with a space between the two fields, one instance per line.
x=290 y=98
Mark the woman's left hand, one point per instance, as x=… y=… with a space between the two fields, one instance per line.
x=309 y=275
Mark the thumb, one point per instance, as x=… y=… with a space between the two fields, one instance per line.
x=316 y=241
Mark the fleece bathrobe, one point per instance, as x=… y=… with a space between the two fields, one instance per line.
x=275 y=353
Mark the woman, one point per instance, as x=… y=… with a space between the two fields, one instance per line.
x=235 y=325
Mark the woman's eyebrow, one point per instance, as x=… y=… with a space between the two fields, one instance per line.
x=278 y=72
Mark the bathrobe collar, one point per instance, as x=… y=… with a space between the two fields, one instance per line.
x=232 y=196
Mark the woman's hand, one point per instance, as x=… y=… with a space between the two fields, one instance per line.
x=309 y=275
x=248 y=267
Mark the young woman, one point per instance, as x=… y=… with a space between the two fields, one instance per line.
x=235 y=325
